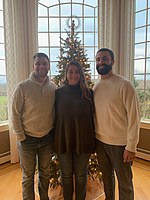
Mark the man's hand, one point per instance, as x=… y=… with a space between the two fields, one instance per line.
x=128 y=156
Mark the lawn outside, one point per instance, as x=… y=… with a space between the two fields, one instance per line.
x=3 y=109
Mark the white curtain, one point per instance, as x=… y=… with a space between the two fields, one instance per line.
x=20 y=19
x=116 y=32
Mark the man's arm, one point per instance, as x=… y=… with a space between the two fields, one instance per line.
x=17 y=111
x=133 y=117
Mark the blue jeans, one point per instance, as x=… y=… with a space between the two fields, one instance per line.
x=35 y=152
x=110 y=159
x=73 y=164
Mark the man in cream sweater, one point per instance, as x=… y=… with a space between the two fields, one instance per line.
x=117 y=122
x=32 y=119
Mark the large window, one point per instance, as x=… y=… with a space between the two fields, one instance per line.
x=3 y=96
x=142 y=55
x=54 y=18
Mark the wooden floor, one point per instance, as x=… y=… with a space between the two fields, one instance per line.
x=10 y=181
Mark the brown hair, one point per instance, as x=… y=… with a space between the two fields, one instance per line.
x=39 y=55
x=82 y=82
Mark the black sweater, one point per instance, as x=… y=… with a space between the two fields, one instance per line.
x=74 y=127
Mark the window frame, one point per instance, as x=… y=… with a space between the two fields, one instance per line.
x=141 y=61
x=3 y=89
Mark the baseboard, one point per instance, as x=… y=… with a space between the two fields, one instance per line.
x=4 y=157
x=143 y=154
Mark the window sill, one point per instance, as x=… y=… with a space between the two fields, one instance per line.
x=4 y=127
x=145 y=124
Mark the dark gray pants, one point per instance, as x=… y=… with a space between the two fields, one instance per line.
x=33 y=150
x=110 y=158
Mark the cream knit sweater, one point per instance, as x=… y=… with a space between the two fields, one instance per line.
x=33 y=108
x=117 y=116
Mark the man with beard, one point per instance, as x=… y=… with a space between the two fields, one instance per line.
x=117 y=122
x=32 y=118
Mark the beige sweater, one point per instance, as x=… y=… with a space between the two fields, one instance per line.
x=33 y=108
x=117 y=116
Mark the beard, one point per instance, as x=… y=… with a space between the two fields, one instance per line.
x=106 y=68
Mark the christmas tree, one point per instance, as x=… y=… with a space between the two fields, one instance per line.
x=55 y=173
x=72 y=50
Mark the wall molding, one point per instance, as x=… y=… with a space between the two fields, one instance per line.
x=5 y=157
x=145 y=124
x=143 y=154
x=4 y=127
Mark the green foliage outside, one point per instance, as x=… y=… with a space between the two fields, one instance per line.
x=144 y=101
x=3 y=108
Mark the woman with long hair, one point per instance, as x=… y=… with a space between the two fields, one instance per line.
x=74 y=139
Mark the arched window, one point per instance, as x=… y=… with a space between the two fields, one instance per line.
x=54 y=18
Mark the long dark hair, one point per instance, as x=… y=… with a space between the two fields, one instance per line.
x=86 y=94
